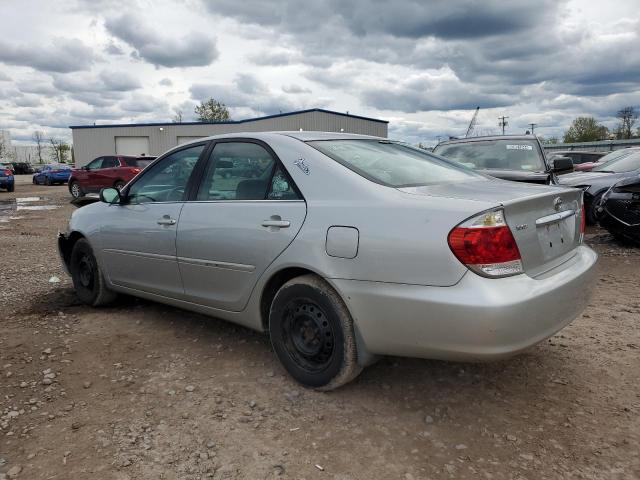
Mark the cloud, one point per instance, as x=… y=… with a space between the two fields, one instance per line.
x=61 y=55
x=248 y=95
x=165 y=82
x=189 y=50
x=295 y=89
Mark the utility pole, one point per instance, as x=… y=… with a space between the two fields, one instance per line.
x=503 y=122
x=533 y=126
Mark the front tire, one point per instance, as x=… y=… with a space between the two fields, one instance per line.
x=119 y=185
x=312 y=334
x=88 y=279
x=592 y=212
x=47 y=181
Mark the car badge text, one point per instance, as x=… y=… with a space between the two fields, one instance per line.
x=524 y=226
x=302 y=166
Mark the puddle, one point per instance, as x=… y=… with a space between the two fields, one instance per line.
x=29 y=199
x=37 y=207
x=7 y=207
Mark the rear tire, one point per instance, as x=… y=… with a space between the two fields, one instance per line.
x=11 y=187
x=88 y=279
x=76 y=190
x=312 y=334
x=47 y=181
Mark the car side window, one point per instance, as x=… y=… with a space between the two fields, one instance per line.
x=237 y=171
x=95 y=164
x=281 y=187
x=109 y=162
x=166 y=181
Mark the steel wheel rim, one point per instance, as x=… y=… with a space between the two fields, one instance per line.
x=75 y=190
x=307 y=335
x=86 y=272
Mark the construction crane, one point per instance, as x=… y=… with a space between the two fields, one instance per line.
x=472 y=124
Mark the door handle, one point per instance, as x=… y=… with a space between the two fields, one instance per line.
x=276 y=222
x=166 y=220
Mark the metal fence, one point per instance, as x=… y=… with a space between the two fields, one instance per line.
x=599 y=146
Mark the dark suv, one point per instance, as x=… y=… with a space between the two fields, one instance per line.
x=510 y=157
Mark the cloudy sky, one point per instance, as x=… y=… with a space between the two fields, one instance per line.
x=422 y=65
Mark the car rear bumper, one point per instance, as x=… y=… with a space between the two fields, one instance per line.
x=6 y=181
x=476 y=319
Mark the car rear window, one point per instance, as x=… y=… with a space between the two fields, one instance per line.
x=508 y=154
x=392 y=164
x=137 y=162
x=625 y=164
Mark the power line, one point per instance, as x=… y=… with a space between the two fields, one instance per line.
x=503 y=122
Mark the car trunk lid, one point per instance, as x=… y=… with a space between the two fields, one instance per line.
x=545 y=221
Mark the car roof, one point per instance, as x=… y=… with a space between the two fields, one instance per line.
x=304 y=136
x=489 y=138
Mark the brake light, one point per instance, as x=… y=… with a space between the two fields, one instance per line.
x=583 y=221
x=8 y=172
x=486 y=245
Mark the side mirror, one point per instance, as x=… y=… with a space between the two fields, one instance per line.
x=85 y=167
x=562 y=165
x=110 y=195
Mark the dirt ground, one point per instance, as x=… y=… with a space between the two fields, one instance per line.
x=140 y=390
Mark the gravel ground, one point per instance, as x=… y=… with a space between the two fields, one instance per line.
x=141 y=390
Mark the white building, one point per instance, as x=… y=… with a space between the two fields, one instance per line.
x=91 y=141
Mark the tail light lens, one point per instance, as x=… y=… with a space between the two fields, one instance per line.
x=486 y=245
x=583 y=221
x=135 y=170
x=8 y=173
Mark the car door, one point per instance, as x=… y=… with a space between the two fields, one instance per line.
x=88 y=178
x=105 y=176
x=245 y=213
x=138 y=236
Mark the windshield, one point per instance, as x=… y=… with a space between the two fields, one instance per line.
x=137 y=162
x=392 y=164
x=505 y=154
x=627 y=163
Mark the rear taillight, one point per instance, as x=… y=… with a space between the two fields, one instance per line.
x=583 y=221
x=135 y=170
x=8 y=173
x=486 y=245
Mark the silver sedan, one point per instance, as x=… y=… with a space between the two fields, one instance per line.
x=342 y=247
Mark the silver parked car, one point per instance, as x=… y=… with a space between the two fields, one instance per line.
x=342 y=247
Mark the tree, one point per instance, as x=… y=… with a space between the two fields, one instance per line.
x=177 y=118
x=628 y=117
x=38 y=137
x=585 y=129
x=4 y=148
x=212 y=111
x=549 y=141
x=59 y=150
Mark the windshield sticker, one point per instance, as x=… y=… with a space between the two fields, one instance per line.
x=519 y=147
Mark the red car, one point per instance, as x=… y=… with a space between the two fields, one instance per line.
x=112 y=171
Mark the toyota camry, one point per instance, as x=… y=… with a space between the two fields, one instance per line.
x=342 y=247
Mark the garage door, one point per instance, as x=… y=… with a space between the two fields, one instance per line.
x=182 y=140
x=132 y=145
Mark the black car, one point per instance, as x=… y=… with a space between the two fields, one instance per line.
x=22 y=168
x=596 y=182
x=620 y=210
x=510 y=157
